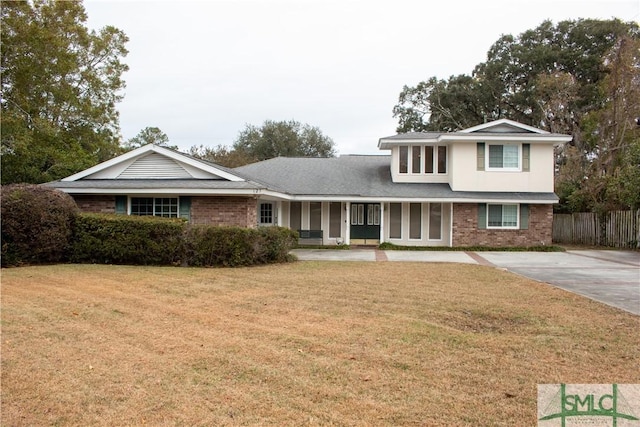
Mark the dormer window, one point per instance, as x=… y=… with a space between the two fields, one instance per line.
x=421 y=159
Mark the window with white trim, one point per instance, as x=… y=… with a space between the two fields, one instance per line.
x=357 y=214
x=502 y=216
x=415 y=221
x=315 y=215
x=373 y=214
x=155 y=206
x=395 y=220
x=422 y=159
x=266 y=213
x=403 y=158
x=505 y=157
x=335 y=219
x=435 y=221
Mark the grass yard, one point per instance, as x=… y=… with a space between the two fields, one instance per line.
x=308 y=343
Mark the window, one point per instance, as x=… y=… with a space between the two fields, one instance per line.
x=504 y=157
x=404 y=159
x=266 y=213
x=415 y=220
x=373 y=214
x=428 y=159
x=315 y=216
x=159 y=206
x=415 y=158
x=335 y=216
x=435 y=159
x=357 y=214
x=435 y=221
x=502 y=216
x=442 y=159
x=395 y=220
x=295 y=215
x=142 y=206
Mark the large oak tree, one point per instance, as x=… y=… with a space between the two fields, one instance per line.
x=60 y=86
x=577 y=77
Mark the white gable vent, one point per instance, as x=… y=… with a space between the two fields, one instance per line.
x=503 y=128
x=154 y=166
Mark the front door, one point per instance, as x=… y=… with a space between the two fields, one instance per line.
x=365 y=220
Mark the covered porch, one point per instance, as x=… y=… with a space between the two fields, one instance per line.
x=361 y=222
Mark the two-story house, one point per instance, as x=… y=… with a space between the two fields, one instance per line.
x=489 y=185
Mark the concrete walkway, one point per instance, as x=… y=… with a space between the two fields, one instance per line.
x=608 y=276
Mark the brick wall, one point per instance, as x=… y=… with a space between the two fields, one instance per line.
x=96 y=204
x=229 y=211
x=466 y=232
x=226 y=211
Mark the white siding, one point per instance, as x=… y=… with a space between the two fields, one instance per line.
x=466 y=177
x=154 y=166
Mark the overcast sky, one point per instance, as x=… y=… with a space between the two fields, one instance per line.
x=202 y=70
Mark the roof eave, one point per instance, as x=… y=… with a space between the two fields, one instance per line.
x=169 y=190
x=556 y=139
x=175 y=155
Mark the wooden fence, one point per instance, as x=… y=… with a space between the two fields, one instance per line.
x=619 y=229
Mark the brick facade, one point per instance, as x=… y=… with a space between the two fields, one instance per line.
x=96 y=204
x=224 y=211
x=466 y=232
x=218 y=210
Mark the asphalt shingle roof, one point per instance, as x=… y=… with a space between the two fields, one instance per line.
x=358 y=175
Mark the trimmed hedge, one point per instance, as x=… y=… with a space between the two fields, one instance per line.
x=123 y=239
x=234 y=246
x=37 y=224
x=43 y=225
x=275 y=244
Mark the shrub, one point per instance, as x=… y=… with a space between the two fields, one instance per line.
x=36 y=225
x=208 y=246
x=122 y=239
x=275 y=243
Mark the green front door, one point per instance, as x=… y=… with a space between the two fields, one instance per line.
x=365 y=220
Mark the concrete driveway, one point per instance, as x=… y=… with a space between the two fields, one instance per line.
x=611 y=277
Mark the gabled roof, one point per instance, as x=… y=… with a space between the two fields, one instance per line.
x=503 y=126
x=155 y=162
x=152 y=169
x=496 y=131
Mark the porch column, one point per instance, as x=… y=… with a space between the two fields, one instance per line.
x=382 y=222
x=347 y=221
x=279 y=213
x=451 y=225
